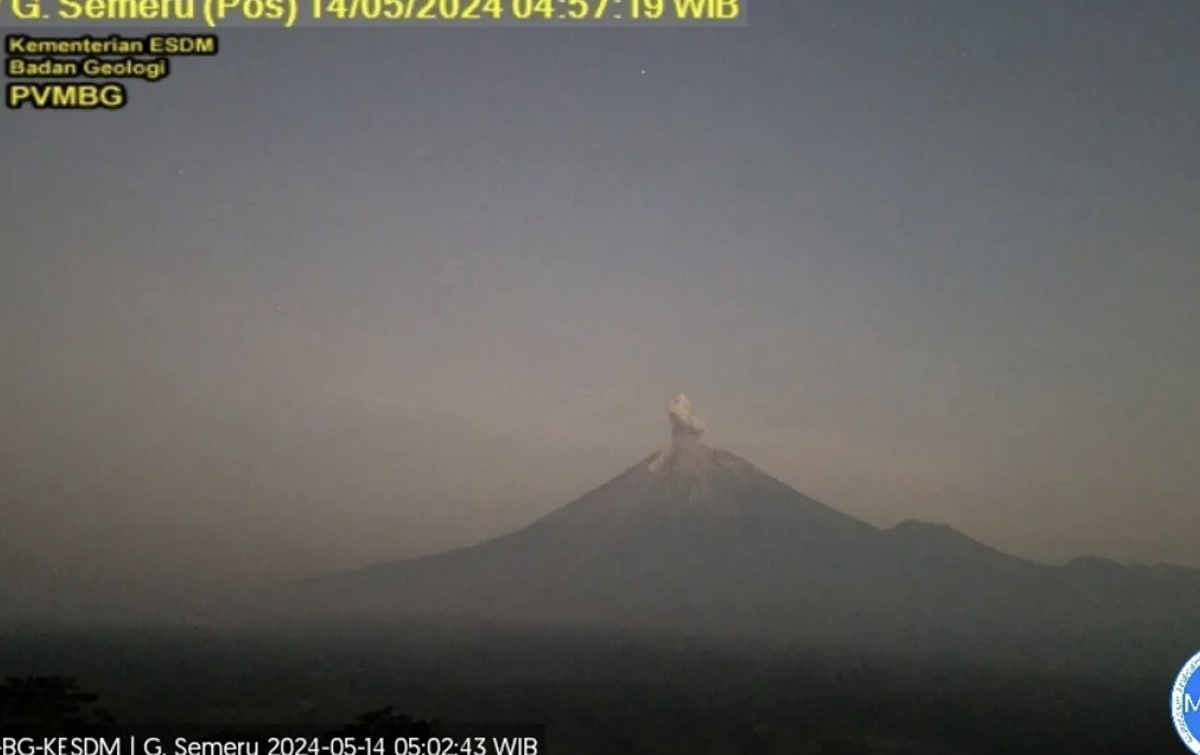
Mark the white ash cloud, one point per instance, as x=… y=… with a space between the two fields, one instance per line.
x=684 y=424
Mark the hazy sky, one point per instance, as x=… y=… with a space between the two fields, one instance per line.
x=337 y=297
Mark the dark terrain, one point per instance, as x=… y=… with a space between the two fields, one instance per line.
x=606 y=693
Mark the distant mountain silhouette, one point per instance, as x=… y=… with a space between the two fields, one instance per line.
x=698 y=539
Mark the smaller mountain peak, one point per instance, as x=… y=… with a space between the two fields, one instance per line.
x=918 y=528
x=1095 y=563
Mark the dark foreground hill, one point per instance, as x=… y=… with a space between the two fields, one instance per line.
x=600 y=693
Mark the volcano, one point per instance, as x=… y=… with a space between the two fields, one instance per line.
x=698 y=539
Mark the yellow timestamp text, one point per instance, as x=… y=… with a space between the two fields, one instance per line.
x=317 y=13
x=474 y=11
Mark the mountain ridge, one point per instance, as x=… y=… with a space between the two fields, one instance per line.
x=697 y=538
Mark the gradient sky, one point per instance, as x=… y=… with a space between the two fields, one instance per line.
x=337 y=297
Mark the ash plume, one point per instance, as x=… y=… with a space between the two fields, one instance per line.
x=684 y=424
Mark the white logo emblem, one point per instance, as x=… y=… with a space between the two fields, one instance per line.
x=1185 y=704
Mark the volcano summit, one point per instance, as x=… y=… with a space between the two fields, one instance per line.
x=697 y=539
